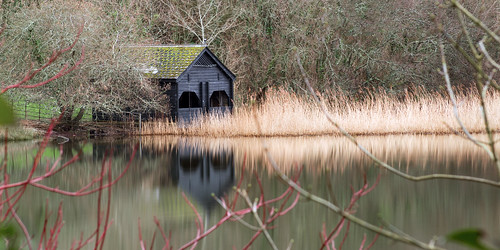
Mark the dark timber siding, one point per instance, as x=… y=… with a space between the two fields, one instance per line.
x=204 y=81
x=188 y=114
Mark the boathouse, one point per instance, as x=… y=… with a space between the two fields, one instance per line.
x=197 y=80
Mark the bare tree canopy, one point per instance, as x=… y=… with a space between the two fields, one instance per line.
x=206 y=19
x=106 y=80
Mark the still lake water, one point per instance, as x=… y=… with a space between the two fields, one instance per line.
x=166 y=167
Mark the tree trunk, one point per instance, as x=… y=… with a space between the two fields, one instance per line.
x=67 y=112
x=67 y=122
x=79 y=116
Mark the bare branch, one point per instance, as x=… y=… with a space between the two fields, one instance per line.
x=253 y=207
x=454 y=102
x=487 y=55
x=205 y=19
x=467 y=34
x=339 y=211
x=475 y=20
x=375 y=159
x=55 y=55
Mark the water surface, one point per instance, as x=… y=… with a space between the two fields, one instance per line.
x=166 y=167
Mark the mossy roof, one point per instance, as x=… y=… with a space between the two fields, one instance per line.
x=167 y=61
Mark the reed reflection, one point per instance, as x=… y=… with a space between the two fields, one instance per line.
x=201 y=166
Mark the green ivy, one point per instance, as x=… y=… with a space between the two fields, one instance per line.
x=468 y=237
x=8 y=236
x=6 y=113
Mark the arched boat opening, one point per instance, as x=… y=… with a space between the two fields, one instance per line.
x=189 y=99
x=219 y=99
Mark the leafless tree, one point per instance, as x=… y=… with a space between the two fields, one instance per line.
x=205 y=19
x=106 y=80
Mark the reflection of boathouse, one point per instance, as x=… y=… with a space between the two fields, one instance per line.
x=197 y=172
x=201 y=173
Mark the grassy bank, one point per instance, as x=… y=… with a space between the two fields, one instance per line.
x=288 y=114
x=20 y=133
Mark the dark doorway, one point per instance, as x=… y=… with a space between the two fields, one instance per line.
x=219 y=99
x=189 y=100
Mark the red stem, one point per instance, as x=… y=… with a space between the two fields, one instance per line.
x=261 y=198
x=108 y=206
x=103 y=167
x=345 y=235
x=47 y=174
x=21 y=224
x=140 y=235
x=44 y=232
x=167 y=240
x=230 y=213
x=254 y=237
x=199 y=222
x=55 y=54
x=373 y=242
x=54 y=232
x=285 y=211
x=354 y=198
x=153 y=241
x=363 y=242
x=236 y=194
x=219 y=223
x=79 y=242
x=81 y=192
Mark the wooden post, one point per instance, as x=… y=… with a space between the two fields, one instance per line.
x=140 y=123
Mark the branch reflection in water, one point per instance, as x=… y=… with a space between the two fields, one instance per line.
x=167 y=166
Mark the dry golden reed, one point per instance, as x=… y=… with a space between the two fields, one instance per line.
x=288 y=114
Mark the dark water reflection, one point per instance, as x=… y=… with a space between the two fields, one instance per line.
x=165 y=167
x=202 y=174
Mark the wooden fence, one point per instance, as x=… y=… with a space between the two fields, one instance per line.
x=41 y=111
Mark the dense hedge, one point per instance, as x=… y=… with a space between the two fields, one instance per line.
x=355 y=45
x=358 y=46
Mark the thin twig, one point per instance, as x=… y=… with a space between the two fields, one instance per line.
x=326 y=203
x=141 y=242
x=167 y=240
x=475 y=20
x=55 y=55
x=341 y=212
x=487 y=55
x=253 y=207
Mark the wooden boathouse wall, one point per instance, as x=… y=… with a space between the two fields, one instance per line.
x=204 y=85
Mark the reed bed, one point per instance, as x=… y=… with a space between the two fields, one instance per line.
x=288 y=114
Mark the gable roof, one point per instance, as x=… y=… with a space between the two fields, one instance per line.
x=211 y=55
x=171 y=61
x=167 y=61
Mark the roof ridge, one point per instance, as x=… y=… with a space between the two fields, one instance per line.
x=167 y=45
